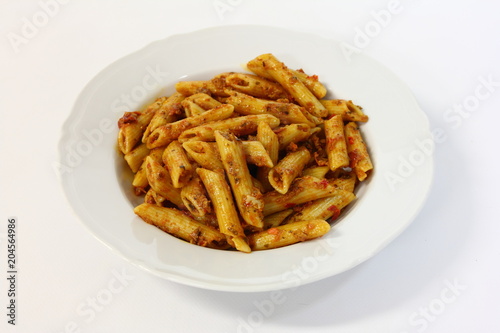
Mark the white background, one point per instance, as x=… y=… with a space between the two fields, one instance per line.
x=441 y=275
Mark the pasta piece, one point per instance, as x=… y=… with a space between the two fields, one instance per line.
x=256 y=183
x=154 y=198
x=311 y=82
x=288 y=234
x=225 y=210
x=248 y=198
x=238 y=126
x=136 y=156
x=284 y=76
x=345 y=181
x=177 y=164
x=208 y=219
x=336 y=148
x=257 y=67
x=131 y=126
x=325 y=208
x=294 y=133
x=216 y=86
x=157 y=154
x=276 y=219
x=270 y=142
x=188 y=88
x=180 y=225
x=282 y=175
x=165 y=134
x=195 y=197
x=168 y=112
x=287 y=113
x=302 y=190
x=160 y=181
x=347 y=109
x=203 y=100
x=220 y=84
x=256 y=154
x=205 y=154
x=359 y=158
x=256 y=86
x=140 y=182
x=191 y=108
x=318 y=171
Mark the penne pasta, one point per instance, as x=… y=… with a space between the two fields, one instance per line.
x=256 y=183
x=256 y=86
x=191 y=108
x=311 y=82
x=131 y=127
x=180 y=225
x=276 y=219
x=336 y=148
x=220 y=85
x=288 y=234
x=140 y=181
x=270 y=142
x=245 y=161
x=238 y=126
x=346 y=109
x=205 y=154
x=195 y=197
x=256 y=154
x=216 y=86
x=302 y=190
x=284 y=173
x=317 y=171
x=188 y=88
x=325 y=208
x=225 y=210
x=208 y=219
x=176 y=161
x=359 y=158
x=168 y=112
x=203 y=100
x=248 y=198
x=165 y=134
x=154 y=198
x=287 y=113
x=133 y=124
x=291 y=83
x=161 y=182
x=136 y=156
x=345 y=181
x=294 y=133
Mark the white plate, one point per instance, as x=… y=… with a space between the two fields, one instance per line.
x=98 y=188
